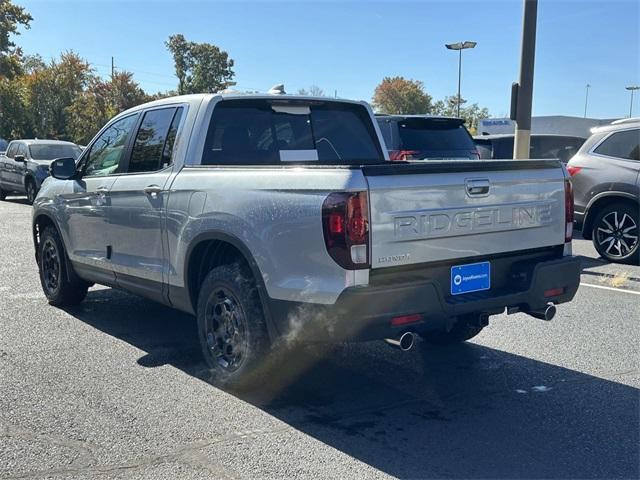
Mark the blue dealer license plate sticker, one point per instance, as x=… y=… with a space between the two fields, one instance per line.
x=470 y=278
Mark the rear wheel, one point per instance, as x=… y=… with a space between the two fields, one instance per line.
x=615 y=233
x=32 y=191
x=464 y=329
x=60 y=288
x=231 y=327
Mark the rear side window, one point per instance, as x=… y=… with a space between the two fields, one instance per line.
x=625 y=144
x=434 y=136
x=264 y=132
x=153 y=145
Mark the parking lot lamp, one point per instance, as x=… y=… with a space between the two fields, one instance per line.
x=586 y=99
x=460 y=46
x=632 y=88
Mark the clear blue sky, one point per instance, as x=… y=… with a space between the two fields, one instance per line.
x=350 y=46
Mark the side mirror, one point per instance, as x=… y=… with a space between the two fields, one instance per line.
x=63 y=168
x=20 y=158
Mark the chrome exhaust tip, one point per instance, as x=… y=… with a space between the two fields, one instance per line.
x=545 y=314
x=404 y=342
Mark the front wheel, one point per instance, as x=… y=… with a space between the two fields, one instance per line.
x=232 y=328
x=60 y=289
x=615 y=233
x=31 y=191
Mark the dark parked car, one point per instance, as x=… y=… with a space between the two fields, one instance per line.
x=606 y=180
x=424 y=137
x=500 y=147
x=25 y=165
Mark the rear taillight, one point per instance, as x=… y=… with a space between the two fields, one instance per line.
x=573 y=170
x=402 y=155
x=345 y=223
x=568 y=210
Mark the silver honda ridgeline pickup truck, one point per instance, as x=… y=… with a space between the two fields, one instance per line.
x=274 y=217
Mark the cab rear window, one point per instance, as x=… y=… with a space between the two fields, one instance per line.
x=265 y=132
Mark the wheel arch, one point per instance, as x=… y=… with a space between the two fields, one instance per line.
x=40 y=221
x=600 y=201
x=211 y=249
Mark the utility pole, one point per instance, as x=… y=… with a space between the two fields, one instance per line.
x=113 y=69
x=522 y=139
x=632 y=88
x=586 y=99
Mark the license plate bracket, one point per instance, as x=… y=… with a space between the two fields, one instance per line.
x=473 y=277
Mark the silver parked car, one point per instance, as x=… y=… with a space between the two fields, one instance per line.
x=606 y=181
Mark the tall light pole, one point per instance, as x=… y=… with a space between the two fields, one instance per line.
x=631 y=88
x=460 y=46
x=586 y=99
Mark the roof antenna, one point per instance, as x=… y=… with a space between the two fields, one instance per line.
x=277 y=89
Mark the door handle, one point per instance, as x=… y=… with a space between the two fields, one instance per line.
x=477 y=187
x=153 y=190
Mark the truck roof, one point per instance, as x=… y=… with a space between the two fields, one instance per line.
x=197 y=98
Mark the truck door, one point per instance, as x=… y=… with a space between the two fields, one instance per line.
x=138 y=204
x=87 y=204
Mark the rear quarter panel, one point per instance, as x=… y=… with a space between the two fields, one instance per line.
x=275 y=212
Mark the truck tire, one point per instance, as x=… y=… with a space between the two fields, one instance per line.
x=61 y=289
x=462 y=331
x=231 y=327
x=615 y=233
x=31 y=190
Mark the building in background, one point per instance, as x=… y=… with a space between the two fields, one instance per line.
x=552 y=124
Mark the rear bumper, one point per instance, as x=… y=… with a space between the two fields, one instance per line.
x=365 y=313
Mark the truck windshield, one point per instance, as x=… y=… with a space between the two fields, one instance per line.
x=255 y=132
x=50 y=151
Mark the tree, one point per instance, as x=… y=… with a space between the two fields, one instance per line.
x=397 y=95
x=11 y=17
x=200 y=67
x=14 y=122
x=314 y=91
x=471 y=114
x=126 y=93
x=99 y=102
x=51 y=90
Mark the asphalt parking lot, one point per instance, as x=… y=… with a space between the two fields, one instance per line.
x=114 y=389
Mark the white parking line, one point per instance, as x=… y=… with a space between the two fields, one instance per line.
x=610 y=288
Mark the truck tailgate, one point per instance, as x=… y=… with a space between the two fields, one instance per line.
x=438 y=211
